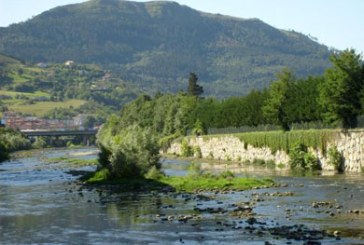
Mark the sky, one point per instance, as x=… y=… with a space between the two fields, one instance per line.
x=335 y=23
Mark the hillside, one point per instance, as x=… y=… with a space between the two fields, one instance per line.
x=157 y=44
x=60 y=90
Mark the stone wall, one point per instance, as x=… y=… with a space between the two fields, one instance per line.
x=350 y=145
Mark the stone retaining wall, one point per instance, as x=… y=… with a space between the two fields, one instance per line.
x=350 y=145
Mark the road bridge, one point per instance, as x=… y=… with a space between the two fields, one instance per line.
x=85 y=134
x=37 y=133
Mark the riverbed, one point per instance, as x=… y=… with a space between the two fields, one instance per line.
x=42 y=203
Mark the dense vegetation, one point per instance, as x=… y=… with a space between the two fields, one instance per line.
x=155 y=44
x=11 y=141
x=61 y=91
x=287 y=101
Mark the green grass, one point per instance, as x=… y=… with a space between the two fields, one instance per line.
x=205 y=182
x=17 y=78
x=211 y=182
x=279 y=140
x=41 y=108
x=73 y=161
x=29 y=95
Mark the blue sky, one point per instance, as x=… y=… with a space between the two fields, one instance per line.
x=335 y=23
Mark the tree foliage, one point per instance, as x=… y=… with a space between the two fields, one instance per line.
x=341 y=91
x=194 y=89
x=11 y=141
x=131 y=153
x=275 y=108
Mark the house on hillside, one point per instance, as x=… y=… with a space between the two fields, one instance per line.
x=69 y=63
x=42 y=65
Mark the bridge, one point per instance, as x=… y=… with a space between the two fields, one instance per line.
x=57 y=133
x=85 y=134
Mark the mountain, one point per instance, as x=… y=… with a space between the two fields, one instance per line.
x=155 y=45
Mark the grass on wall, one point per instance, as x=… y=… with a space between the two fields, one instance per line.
x=279 y=140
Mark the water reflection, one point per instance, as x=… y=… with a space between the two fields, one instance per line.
x=44 y=204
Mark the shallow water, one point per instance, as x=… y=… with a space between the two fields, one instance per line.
x=43 y=204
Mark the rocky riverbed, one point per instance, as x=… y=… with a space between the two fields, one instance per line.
x=40 y=203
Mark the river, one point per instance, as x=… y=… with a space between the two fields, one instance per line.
x=43 y=203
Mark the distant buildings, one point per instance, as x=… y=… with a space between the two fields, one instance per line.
x=42 y=65
x=15 y=121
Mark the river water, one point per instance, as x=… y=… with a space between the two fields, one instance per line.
x=44 y=203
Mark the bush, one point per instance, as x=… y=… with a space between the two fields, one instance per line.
x=197 y=152
x=335 y=158
x=186 y=149
x=13 y=140
x=300 y=158
x=133 y=152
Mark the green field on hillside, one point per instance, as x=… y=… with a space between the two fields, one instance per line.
x=41 y=108
x=13 y=94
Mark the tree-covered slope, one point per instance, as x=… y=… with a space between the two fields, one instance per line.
x=61 y=91
x=157 y=44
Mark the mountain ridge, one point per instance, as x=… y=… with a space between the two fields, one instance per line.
x=156 y=44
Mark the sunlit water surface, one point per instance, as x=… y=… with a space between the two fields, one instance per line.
x=43 y=203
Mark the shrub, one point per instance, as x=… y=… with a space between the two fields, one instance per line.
x=186 y=149
x=13 y=140
x=197 y=152
x=301 y=158
x=133 y=152
x=335 y=158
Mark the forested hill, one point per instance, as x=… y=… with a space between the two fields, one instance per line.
x=157 y=44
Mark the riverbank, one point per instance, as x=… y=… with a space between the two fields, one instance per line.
x=273 y=147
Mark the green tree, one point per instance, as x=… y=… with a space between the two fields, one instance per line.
x=193 y=88
x=131 y=153
x=340 y=92
x=275 y=107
